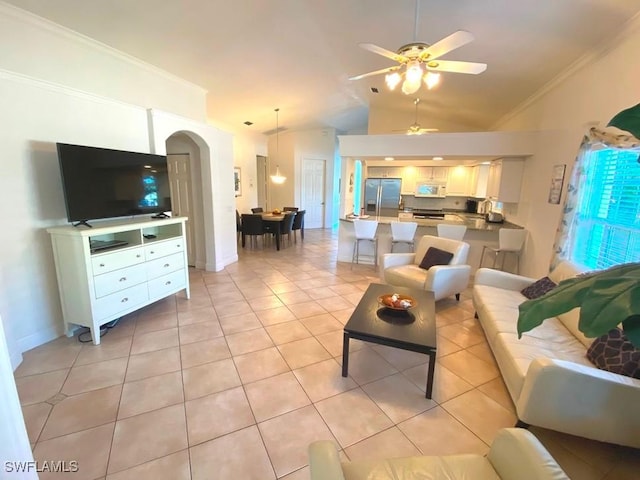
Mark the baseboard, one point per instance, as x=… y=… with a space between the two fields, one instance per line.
x=36 y=339
x=16 y=359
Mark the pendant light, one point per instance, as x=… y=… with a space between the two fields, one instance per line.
x=277 y=178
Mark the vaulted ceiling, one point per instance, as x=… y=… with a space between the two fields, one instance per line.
x=253 y=56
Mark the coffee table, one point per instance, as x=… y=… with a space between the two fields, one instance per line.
x=413 y=330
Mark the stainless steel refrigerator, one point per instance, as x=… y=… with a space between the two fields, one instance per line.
x=382 y=196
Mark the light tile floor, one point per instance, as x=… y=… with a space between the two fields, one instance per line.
x=237 y=381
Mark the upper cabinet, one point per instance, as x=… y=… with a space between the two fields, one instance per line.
x=385 y=172
x=505 y=180
x=437 y=174
x=479 y=181
x=459 y=181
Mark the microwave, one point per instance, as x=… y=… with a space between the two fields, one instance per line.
x=429 y=188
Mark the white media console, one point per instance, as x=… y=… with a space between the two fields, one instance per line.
x=117 y=267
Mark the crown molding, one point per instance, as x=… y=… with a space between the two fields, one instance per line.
x=629 y=28
x=68 y=34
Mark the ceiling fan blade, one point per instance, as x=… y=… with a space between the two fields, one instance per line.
x=427 y=130
x=456 y=67
x=453 y=41
x=384 y=52
x=377 y=72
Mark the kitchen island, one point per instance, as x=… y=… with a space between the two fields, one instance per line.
x=479 y=233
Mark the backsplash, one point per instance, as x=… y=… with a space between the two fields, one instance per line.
x=448 y=203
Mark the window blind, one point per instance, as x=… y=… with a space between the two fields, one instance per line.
x=608 y=227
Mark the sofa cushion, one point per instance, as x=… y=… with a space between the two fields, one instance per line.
x=615 y=353
x=538 y=288
x=411 y=276
x=435 y=256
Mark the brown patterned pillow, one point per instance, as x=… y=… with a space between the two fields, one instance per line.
x=615 y=353
x=538 y=288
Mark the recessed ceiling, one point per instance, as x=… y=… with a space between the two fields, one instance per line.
x=297 y=55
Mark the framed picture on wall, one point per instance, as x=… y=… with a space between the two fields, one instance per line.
x=237 y=181
x=557 y=178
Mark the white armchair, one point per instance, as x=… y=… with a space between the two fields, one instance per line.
x=402 y=269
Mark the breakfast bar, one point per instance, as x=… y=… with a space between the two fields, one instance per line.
x=479 y=233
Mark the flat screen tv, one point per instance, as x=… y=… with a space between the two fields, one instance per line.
x=102 y=183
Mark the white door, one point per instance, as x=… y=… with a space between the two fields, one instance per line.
x=180 y=179
x=313 y=193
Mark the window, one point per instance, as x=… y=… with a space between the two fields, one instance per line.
x=608 y=210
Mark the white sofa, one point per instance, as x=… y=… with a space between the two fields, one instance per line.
x=547 y=373
x=401 y=269
x=515 y=454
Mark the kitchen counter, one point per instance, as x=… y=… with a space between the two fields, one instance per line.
x=479 y=233
x=471 y=220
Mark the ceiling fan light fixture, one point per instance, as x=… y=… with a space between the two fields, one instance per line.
x=392 y=80
x=431 y=80
x=277 y=178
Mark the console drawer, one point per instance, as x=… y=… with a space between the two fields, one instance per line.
x=112 y=282
x=120 y=301
x=159 y=287
x=164 y=265
x=108 y=262
x=163 y=248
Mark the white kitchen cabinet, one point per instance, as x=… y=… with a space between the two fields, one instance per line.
x=479 y=181
x=459 y=181
x=117 y=267
x=409 y=178
x=384 y=172
x=437 y=174
x=505 y=180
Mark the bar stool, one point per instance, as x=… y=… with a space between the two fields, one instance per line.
x=403 y=232
x=454 y=232
x=365 y=230
x=510 y=240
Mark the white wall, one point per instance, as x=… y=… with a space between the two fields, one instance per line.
x=245 y=150
x=40 y=67
x=603 y=86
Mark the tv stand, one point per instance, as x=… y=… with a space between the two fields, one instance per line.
x=160 y=215
x=83 y=222
x=117 y=267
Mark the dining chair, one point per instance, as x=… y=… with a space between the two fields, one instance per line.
x=454 y=232
x=403 y=232
x=510 y=241
x=365 y=230
x=238 y=225
x=257 y=210
x=252 y=227
x=286 y=226
x=289 y=209
x=298 y=224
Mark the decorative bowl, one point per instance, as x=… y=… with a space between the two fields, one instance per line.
x=396 y=301
x=276 y=212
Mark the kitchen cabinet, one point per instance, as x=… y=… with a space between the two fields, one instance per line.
x=409 y=178
x=438 y=174
x=505 y=180
x=479 y=181
x=384 y=172
x=459 y=181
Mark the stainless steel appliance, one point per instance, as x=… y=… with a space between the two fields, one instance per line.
x=382 y=196
x=430 y=188
x=494 y=217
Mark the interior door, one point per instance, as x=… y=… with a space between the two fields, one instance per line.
x=313 y=192
x=180 y=180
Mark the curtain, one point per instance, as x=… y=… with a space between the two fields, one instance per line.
x=610 y=137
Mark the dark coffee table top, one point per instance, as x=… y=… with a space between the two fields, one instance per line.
x=416 y=326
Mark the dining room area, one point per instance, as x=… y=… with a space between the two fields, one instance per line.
x=277 y=228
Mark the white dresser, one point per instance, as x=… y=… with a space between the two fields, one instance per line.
x=117 y=267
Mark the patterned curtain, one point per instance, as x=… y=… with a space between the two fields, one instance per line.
x=610 y=137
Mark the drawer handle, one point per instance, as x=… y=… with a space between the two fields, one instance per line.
x=102 y=264
x=123 y=279
x=152 y=252
x=166 y=265
x=178 y=245
x=168 y=283
x=125 y=299
x=138 y=256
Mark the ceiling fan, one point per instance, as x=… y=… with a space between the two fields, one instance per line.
x=416 y=129
x=418 y=61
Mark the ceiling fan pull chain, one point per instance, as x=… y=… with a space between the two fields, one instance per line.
x=415 y=22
